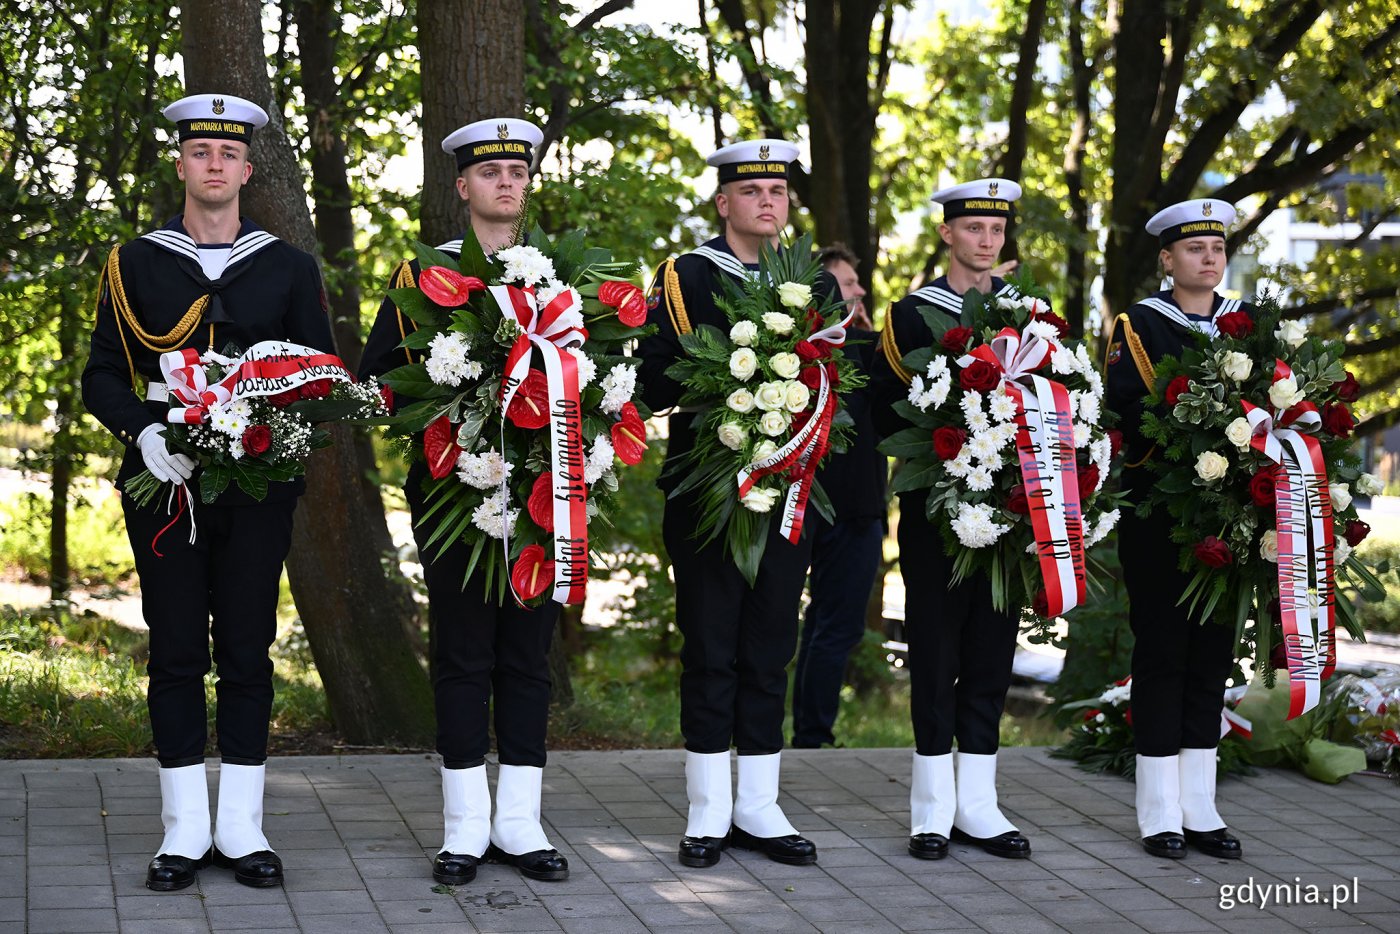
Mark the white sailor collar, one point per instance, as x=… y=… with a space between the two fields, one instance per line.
x=174 y=239
x=1166 y=306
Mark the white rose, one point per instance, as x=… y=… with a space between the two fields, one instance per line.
x=1292 y=333
x=1341 y=496
x=773 y=424
x=1268 y=546
x=798 y=396
x=770 y=396
x=743 y=333
x=763 y=450
x=743 y=363
x=732 y=435
x=759 y=499
x=1368 y=484
x=794 y=294
x=1238 y=433
x=1236 y=366
x=777 y=322
x=1285 y=393
x=1211 y=466
x=785 y=365
x=1341 y=552
x=740 y=400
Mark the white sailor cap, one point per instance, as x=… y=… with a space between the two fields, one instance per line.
x=216 y=116
x=990 y=197
x=758 y=158
x=496 y=138
x=1199 y=217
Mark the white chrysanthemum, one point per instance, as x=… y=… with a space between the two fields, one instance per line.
x=974 y=526
x=979 y=479
x=993 y=463
x=447 y=362
x=549 y=290
x=1002 y=406
x=1116 y=694
x=1095 y=381
x=1062 y=362
x=483 y=471
x=971 y=402
x=983 y=446
x=492 y=518
x=1081 y=357
x=938 y=391
x=1082 y=434
x=600 y=460
x=1043 y=330
x=937 y=367
x=1089 y=408
x=916 y=392
x=960 y=465
x=978 y=422
x=618 y=387
x=230 y=419
x=235 y=448
x=1101 y=452
x=1101 y=528
x=525 y=264
x=587 y=369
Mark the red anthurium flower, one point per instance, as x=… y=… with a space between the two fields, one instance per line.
x=627 y=299
x=541 y=502
x=529 y=407
x=448 y=287
x=257 y=439
x=440 y=448
x=629 y=436
x=532 y=574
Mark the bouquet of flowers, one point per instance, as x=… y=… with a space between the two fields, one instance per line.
x=1101 y=737
x=1373 y=717
x=1255 y=464
x=250 y=418
x=523 y=405
x=769 y=397
x=1014 y=461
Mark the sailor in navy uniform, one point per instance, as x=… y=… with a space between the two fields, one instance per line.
x=1179 y=665
x=485 y=654
x=960 y=646
x=206 y=280
x=737 y=640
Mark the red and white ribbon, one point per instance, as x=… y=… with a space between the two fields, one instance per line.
x=807 y=446
x=1303 y=520
x=1045 y=449
x=265 y=369
x=1232 y=722
x=547 y=330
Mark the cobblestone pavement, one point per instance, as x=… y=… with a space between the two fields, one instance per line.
x=355 y=834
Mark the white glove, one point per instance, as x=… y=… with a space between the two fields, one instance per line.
x=163 y=465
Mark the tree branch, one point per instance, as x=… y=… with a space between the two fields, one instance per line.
x=602 y=12
x=1323 y=305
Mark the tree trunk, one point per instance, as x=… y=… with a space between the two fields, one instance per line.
x=1076 y=308
x=351 y=607
x=1023 y=89
x=61 y=466
x=473 y=67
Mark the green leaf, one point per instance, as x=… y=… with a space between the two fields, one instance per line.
x=914 y=477
x=415 y=305
x=431 y=256
x=213 y=481
x=250 y=480
x=938 y=321
x=908 y=442
x=411 y=380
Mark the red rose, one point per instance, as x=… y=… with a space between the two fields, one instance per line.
x=316 y=389
x=1115 y=442
x=955 y=340
x=1049 y=317
x=257 y=439
x=808 y=351
x=1016 y=502
x=1261 y=487
x=1128 y=716
x=1336 y=418
x=629 y=436
x=799 y=421
x=947 y=442
x=541 y=502
x=1091 y=714
x=448 y=287
x=1356 y=532
x=1175 y=389
x=1213 y=553
x=285 y=398
x=979 y=376
x=811 y=377
x=531 y=573
x=440 y=448
x=1235 y=324
x=1348 y=390
x=627 y=299
x=529 y=407
x=1278 y=657
x=1041 y=604
x=1088 y=481
x=387 y=395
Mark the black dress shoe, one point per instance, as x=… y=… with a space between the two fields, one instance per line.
x=1168 y=843
x=261 y=869
x=454 y=868
x=544 y=865
x=1217 y=843
x=168 y=873
x=792 y=849
x=701 y=852
x=1009 y=845
x=928 y=846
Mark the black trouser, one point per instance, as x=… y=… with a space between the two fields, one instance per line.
x=1179 y=664
x=231 y=573
x=738 y=641
x=960 y=648
x=483 y=649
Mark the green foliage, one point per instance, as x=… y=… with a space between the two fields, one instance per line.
x=98 y=550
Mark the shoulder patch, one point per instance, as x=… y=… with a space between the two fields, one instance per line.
x=1115 y=352
x=654 y=297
